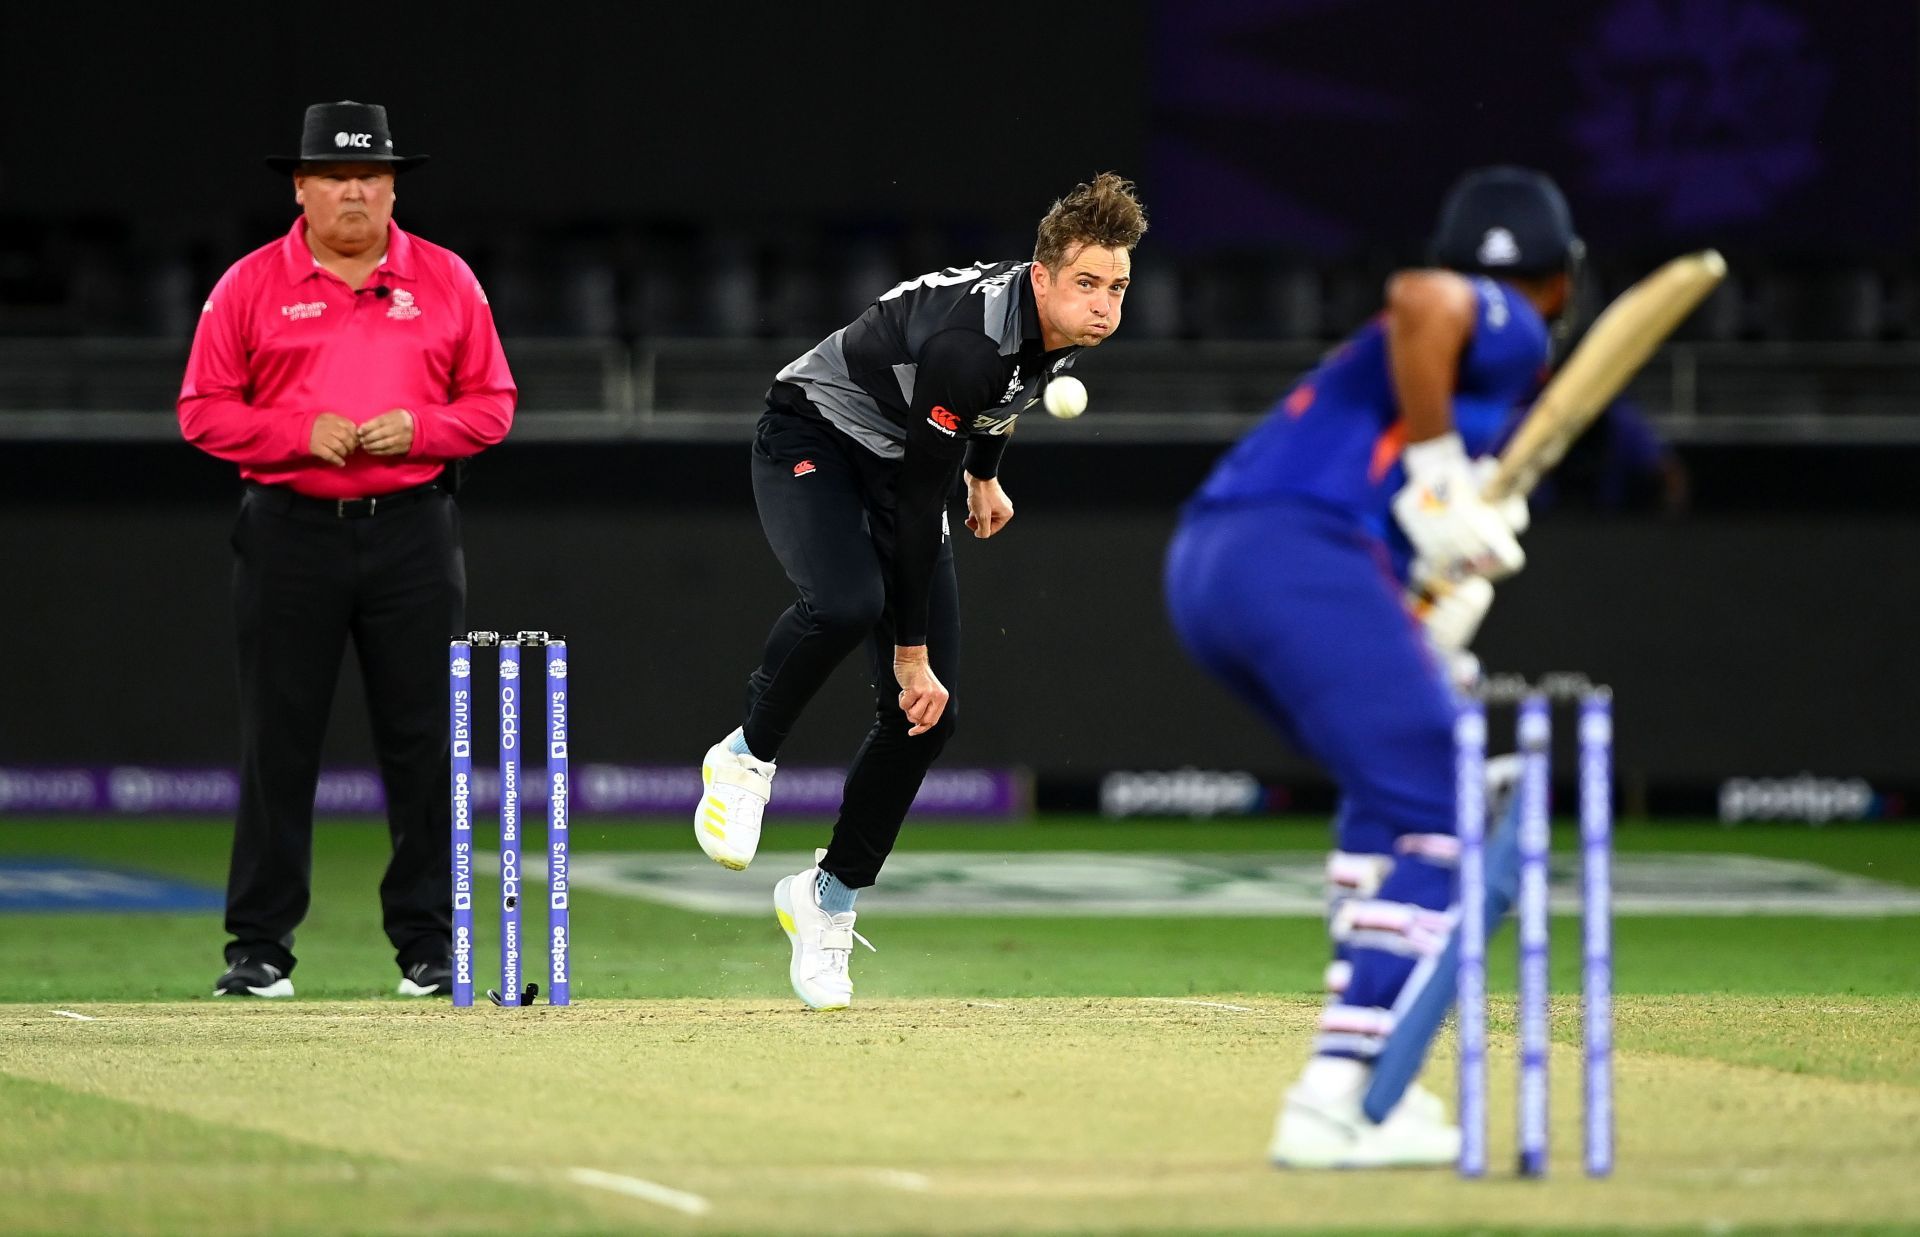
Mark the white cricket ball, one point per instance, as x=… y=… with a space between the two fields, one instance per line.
x=1066 y=397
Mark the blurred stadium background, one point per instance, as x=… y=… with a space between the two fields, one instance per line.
x=666 y=208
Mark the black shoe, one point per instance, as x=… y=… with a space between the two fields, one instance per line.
x=249 y=978
x=427 y=979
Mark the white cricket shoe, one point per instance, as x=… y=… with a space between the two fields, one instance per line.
x=1321 y=1124
x=727 y=822
x=822 y=943
x=1424 y=1103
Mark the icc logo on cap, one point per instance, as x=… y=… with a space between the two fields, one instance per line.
x=1498 y=248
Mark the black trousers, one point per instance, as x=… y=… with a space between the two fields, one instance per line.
x=305 y=580
x=827 y=507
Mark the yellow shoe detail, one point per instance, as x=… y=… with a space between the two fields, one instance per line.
x=786 y=922
x=715 y=830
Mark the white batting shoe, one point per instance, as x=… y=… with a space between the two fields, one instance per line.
x=1424 y=1103
x=822 y=943
x=1321 y=1125
x=727 y=822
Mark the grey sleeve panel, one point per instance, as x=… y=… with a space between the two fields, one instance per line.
x=822 y=373
x=862 y=377
x=1000 y=308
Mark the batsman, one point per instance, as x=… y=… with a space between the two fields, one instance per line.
x=1287 y=579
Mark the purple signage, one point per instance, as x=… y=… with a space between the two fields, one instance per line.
x=1709 y=113
x=1331 y=127
x=597 y=790
x=638 y=789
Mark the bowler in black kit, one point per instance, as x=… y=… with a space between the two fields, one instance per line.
x=854 y=460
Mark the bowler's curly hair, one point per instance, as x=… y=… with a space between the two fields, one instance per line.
x=1104 y=213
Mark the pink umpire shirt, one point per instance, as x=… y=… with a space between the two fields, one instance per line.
x=282 y=340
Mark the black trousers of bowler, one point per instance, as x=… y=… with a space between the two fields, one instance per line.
x=304 y=581
x=826 y=504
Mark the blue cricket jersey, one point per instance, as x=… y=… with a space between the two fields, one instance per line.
x=1336 y=437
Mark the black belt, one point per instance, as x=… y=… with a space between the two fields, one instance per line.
x=279 y=498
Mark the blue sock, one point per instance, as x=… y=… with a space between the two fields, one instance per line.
x=737 y=743
x=834 y=896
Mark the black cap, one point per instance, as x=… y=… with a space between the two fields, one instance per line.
x=345 y=132
x=1506 y=221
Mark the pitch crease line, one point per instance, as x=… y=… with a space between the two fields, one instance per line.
x=640 y=1188
x=1174 y=1000
x=901 y=1179
x=67 y=1013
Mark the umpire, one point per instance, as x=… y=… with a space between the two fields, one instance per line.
x=344 y=367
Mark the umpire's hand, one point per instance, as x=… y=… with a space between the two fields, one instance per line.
x=390 y=433
x=922 y=698
x=334 y=438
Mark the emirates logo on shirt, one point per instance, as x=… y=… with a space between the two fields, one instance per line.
x=298 y=310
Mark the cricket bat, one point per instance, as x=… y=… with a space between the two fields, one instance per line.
x=1620 y=341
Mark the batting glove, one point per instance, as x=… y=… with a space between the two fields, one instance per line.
x=1443 y=516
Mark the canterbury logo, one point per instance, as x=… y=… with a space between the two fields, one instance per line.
x=944 y=420
x=803 y=468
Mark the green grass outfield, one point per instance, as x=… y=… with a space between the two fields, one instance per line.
x=1032 y=1074
x=630 y=948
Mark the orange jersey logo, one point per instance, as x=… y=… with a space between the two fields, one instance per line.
x=1386 y=451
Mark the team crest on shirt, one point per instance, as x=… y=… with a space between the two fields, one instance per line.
x=401 y=305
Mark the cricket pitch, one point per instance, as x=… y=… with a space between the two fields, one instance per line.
x=1027 y=1115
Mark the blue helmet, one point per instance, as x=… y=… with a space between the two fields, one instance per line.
x=1506 y=221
